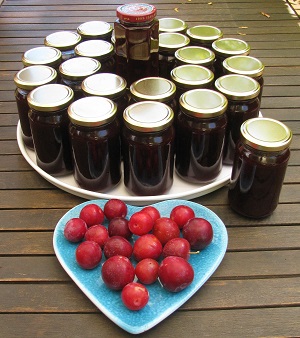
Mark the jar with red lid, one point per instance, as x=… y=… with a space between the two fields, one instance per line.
x=95 y=30
x=200 y=135
x=75 y=70
x=26 y=80
x=169 y=43
x=49 y=122
x=136 y=41
x=148 y=148
x=65 y=41
x=243 y=103
x=226 y=47
x=95 y=138
x=260 y=163
x=101 y=50
x=204 y=35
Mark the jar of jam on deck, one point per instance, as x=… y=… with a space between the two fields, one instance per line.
x=156 y=89
x=26 y=80
x=148 y=148
x=95 y=137
x=194 y=55
x=226 y=47
x=136 y=41
x=172 y=25
x=245 y=65
x=65 y=41
x=100 y=50
x=204 y=35
x=74 y=71
x=108 y=85
x=243 y=103
x=259 y=167
x=43 y=55
x=200 y=135
x=168 y=45
x=95 y=30
x=49 y=124
x=189 y=77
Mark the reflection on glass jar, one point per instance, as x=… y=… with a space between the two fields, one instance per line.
x=259 y=167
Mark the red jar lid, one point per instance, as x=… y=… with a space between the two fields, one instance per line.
x=134 y=13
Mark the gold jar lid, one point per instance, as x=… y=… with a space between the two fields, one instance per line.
x=244 y=65
x=195 y=55
x=31 y=77
x=230 y=46
x=192 y=76
x=170 y=42
x=172 y=25
x=153 y=89
x=237 y=87
x=50 y=97
x=266 y=134
x=97 y=49
x=79 y=68
x=43 y=55
x=204 y=33
x=203 y=103
x=148 y=116
x=62 y=40
x=95 y=29
x=104 y=84
x=92 y=111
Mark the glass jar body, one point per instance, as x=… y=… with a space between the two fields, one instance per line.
x=256 y=180
x=237 y=112
x=148 y=161
x=51 y=141
x=97 y=155
x=199 y=147
x=136 y=47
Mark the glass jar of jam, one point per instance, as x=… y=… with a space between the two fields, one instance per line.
x=189 y=77
x=26 y=80
x=200 y=135
x=91 y=30
x=43 y=55
x=168 y=45
x=75 y=70
x=65 y=41
x=101 y=50
x=108 y=85
x=156 y=89
x=226 y=47
x=148 y=148
x=204 y=35
x=172 y=25
x=259 y=167
x=243 y=103
x=195 y=55
x=136 y=41
x=49 y=122
x=245 y=65
x=95 y=138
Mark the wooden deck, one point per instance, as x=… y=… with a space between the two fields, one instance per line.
x=255 y=292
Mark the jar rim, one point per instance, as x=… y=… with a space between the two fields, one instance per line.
x=244 y=65
x=79 y=68
x=97 y=49
x=170 y=42
x=172 y=25
x=195 y=55
x=62 y=40
x=95 y=28
x=230 y=46
x=204 y=33
x=42 y=55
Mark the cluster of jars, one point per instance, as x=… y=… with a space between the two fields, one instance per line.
x=152 y=94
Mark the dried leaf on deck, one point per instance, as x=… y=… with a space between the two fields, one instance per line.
x=265 y=14
x=209 y=3
x=176 y=9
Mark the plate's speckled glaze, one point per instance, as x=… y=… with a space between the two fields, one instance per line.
x=162 y=303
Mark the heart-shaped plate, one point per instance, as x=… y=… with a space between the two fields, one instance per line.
x=162 y=302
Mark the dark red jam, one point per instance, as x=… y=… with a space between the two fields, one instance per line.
x=26 y=80
x=136 y=41
x=243 y=103
x=148 y=148
x=259 y=167
x=95 y=138
x=200 y=132
x=49 y=124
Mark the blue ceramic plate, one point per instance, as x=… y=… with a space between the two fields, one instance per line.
x=161 y=303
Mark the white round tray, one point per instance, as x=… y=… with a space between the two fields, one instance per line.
x=180 y=188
